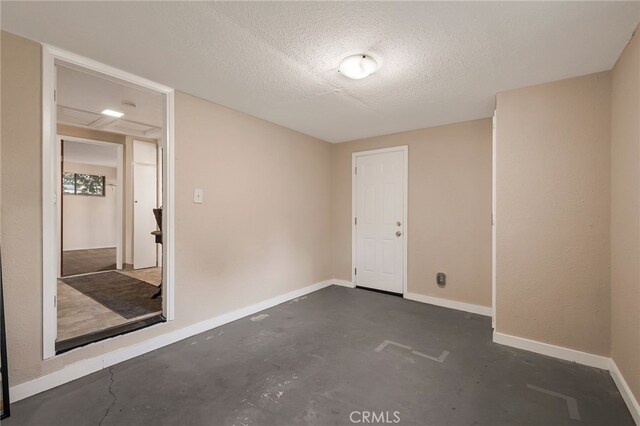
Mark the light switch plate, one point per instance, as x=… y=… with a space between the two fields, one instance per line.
x=198 y=196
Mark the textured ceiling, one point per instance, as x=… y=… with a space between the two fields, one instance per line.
x=441 y=62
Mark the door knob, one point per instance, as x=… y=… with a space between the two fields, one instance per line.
x=398 y=233
x=398 y=223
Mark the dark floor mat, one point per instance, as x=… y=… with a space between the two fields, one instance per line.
x=122 y=294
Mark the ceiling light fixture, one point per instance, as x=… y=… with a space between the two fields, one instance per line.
x=358 y=66
x=112 y=113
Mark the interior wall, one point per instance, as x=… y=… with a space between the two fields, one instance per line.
x=21 y=217
x=449 y=217
x=251 y=239
x=553 y=197
x=90 y=222
x=625 y=215
x=96 y=135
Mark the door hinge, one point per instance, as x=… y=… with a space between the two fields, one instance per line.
x=355 y=271
x=55 y=96
x=356 y=170
x=55 y=301
x=355 y=221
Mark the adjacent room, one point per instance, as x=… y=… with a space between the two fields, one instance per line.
x=320 y=213
x=109 y=219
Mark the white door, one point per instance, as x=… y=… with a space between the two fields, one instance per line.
x=379 y=220
x=145 y=189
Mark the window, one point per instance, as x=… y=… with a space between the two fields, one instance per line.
x=69 y=183
x=83 y=184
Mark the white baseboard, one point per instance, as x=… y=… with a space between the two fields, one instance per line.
x=344 y=283
x=625 y=391
x=579 y=357
x=82 y=368
x=559 y=352
x=88 y=248
x=452 y=304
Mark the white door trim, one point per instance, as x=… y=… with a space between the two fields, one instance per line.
x=354 y=207
x=50 y=56
x=119 y=190
x=137 y=243
x=50 y=245
x=493 y=222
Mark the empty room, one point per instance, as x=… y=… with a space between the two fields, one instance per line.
x=320 y=213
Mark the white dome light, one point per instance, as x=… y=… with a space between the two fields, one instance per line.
x=358 y=66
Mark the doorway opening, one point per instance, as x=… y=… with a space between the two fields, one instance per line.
x=108 y=218
x=90 y=219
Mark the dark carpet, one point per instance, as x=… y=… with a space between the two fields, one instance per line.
x=122 y=294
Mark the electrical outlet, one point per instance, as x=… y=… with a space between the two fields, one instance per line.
x=441 y=279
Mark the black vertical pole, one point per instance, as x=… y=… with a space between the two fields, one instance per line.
x=3 y=354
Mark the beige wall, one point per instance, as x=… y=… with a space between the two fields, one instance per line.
x=96 y=135
x=265 y=226
x=553 y=189
x=90 y=222
x=449 y=208
x=20 y=227
x=625 y=215
x=251 y=239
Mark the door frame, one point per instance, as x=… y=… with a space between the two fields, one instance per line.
x=158 y=168
x=119 y=191
x=354 y=207
x=50 y=245
x=493 y=220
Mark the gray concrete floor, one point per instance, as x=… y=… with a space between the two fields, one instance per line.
x=314 y=361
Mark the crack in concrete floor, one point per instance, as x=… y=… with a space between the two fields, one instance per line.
x=113 y=395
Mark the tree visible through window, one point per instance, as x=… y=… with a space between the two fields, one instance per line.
x=83 y=184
